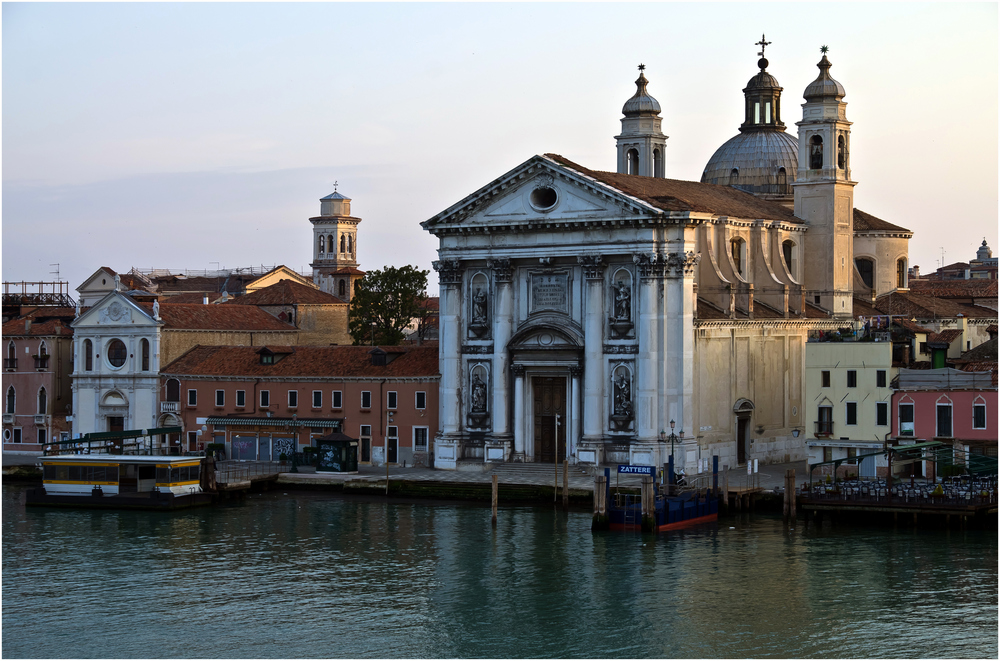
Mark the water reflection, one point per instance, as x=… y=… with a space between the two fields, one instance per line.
x=311 y=575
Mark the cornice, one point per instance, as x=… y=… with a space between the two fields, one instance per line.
x=301 y=379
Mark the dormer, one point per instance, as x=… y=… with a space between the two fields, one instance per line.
x=268 y=356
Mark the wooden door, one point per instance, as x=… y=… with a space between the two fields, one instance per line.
x=550 y=418
x=742 y=439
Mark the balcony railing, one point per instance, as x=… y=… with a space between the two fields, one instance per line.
x=41 y=362
x=10 y=363
x=169 y=407
x=824 y=428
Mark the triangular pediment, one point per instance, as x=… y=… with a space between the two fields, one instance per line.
x=276 y=275
x=116 y=310
x=541 y=191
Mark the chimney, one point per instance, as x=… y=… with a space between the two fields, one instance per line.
x=27 y=326
x=204 y=299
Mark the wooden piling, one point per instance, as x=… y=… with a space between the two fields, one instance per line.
x=565 y=485
x=494 y=500
x=648 y=504
x=601 y=519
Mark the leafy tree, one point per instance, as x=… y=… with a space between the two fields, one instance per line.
x=390 y=299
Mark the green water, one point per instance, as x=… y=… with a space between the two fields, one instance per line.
x=315 y=575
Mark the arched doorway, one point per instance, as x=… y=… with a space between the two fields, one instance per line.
x=744 y=412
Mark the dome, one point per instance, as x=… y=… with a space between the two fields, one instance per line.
x=824 y=86
x=754 y=161
x=763 y=80
x=641 y=104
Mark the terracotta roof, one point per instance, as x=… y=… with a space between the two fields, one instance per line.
x=432 y=303
x=923 y=306
x=173 y=283
x=956 y=288
x=987 y=351
x=708 y=311
x=44 y=322
x=992 y=328
x=182 y=316
x=676 y=195
x=305 y=361
x=865 y=222
x=349 y=270
x=191 y=297
x=946 y=337
x=983 y=366
x=287 y=292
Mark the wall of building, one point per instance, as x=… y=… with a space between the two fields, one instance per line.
x=962 y=401
x=885 y=251
x=174 y=342
x=27 y=380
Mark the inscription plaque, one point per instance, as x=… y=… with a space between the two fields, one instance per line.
x=550 y=292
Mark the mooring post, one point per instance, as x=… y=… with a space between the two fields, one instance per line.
x=715 y=475
x=494 y=500
x=565 y=484
x=670 y=476
x=601 y=520
x=791 y=489
x=648 y=504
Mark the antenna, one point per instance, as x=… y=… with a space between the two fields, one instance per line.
x=56 y=272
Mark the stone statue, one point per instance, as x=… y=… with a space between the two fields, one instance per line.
x=479 y=306
x=623 y=301
x=156 y=309
x=623 y=396
x=478 y=394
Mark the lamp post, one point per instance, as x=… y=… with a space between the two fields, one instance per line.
x=673 y=439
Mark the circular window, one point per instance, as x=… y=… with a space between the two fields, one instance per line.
x=543 y=198
x=6 y=434
x=117 y=353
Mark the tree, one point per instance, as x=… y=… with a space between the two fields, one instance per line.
x=390 y=299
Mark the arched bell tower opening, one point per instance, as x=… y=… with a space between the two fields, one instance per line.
x=335 y=265
x=641 y=145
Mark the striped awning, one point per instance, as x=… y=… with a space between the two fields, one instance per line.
x=237 y=421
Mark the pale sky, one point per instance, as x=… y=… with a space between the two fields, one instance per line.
x=198 y=136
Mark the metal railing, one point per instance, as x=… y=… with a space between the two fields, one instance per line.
x=950 y=492
x=244 y=471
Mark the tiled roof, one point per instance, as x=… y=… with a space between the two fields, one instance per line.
x=946 y=336
x=676 y=195
x=708 y=311
x=983 y=366
x=306 y=361
x=173 y=283
x=987 y=351
x=349 y=270
x=865 y=222
x=287 y=292
x=923 y=306
x=956 y=288
x=44 y=322
x=191 y=297
x=182 y=316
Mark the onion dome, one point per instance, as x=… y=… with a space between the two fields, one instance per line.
x=641 y=104
x=824 y=87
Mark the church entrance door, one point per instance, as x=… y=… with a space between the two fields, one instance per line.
x=742 y=438
x=550 y=418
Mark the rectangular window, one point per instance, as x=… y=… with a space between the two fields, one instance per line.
x=906 y=419
x=42 y=436
x=880 y=379
x=337 y=399
x=366 y=399
x=979 y=416
x=852 y=413
x=882 y=413
x=317 y=399
x=293 y=399
x=421 y=400
x=944 y=421
x=852 y=378
x=241 y=398
x=366 y=431
x=220 y=397
x=390 y=400
x=265 y=398
x=392 y=432
x=827 y=454
x=826 y=378
x=17 y=434
x=192 y=440
x=192 y=397
x=420 y=439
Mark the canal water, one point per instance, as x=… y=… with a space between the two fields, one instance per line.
x=316 y=575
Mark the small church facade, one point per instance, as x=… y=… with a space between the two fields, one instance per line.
x=623 y=317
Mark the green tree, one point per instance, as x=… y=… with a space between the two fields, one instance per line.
x=390 y=299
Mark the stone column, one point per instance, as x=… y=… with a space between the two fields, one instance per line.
x=450 y=362
x=503 y=320
x=647 y=364
x=679 y=387
x=575 y=405
x=518 y=371
x=593 y=361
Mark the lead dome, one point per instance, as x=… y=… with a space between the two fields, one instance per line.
x=641 y=104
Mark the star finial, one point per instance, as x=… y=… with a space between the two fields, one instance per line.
x=642 y=67
x=763 y=43
x=824 y=49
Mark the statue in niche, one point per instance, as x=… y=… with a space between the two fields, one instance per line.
x=623 y=396
x=479 y=311
x=623 y=301
x=478 y=394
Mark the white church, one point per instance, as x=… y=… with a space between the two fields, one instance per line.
x=606 y=317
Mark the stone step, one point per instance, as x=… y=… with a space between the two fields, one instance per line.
x=537 y=469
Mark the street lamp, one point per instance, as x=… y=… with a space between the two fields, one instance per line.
x=673 y=439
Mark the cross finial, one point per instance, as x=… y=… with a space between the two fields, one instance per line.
x=335 y=187
x=642 y=67
x=824 y=49
x=763 y=43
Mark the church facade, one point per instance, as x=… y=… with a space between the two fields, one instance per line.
x=605 y=317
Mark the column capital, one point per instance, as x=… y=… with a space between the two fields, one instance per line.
x=650 y=264
x=682 y=263
x=502 y=269
x=518 y=370
x=593 y=266
x=449 y=271
x=576 y=371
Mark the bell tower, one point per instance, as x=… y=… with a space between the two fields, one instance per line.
x=824 y=194
x=335 y=246
x=641 y=146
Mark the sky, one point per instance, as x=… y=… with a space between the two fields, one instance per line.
x=196 y=136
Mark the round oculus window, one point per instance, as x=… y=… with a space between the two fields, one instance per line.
x=117 y=353
x=543 y=198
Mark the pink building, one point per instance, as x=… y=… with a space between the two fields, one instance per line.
x=947 y=405
x=264 y=401
x=38 y=359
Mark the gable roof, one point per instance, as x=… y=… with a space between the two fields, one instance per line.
x=865 y=222
x=287 y=292
x=305 y=361
x=45 y=321
x=972 y=288
x=678 y=195
x=923 y=306
x=185 y=316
